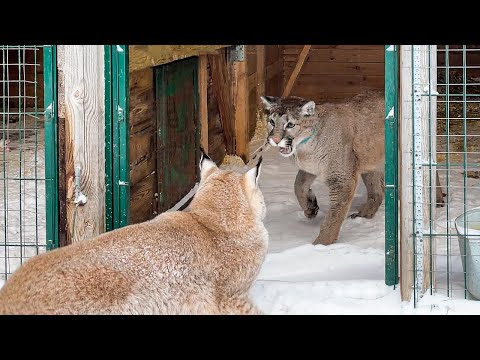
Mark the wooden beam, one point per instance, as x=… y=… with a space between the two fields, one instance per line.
x=63 y=239
x=221 y=83
x=84 y=86
x=301 y=59
x=240 y=91
x=203 y=100
x=406 y=171
x=144 y=56
x=260 y=71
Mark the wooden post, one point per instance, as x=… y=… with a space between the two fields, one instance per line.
x=260 y=71
x=221 y=83
x=63 y=238
x=203 y=100
x=84 y=88
x=240 y=101
x=301 y=60
x=406 y=180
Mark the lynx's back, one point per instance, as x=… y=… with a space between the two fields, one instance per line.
x=200 y=261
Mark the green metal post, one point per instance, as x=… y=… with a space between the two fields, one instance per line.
x=117 y=134
x=108 y=141
x=391 y=164
x=51 y=168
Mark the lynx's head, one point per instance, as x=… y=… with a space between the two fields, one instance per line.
x=232 y=196
x=286 y=130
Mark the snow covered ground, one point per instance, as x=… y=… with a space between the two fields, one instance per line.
x=22 y=203
x=346 y=277
x=297 y=277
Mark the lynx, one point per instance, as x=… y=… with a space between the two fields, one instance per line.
x=199 y=261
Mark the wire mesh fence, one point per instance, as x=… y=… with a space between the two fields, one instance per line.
x=453 y=240
x=22 y=170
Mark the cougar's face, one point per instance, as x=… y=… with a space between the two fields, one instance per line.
x=282 y=130
x=285 y=117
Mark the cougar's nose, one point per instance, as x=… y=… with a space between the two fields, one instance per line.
x=277 y=139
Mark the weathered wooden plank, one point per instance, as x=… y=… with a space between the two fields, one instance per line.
x=62 y=178
x=336 y=68
x=144 y=56
x=261 y=70
x=406 y=171
x=240 y=91
x=141 y=98
x=142 y=200
x=141 y=146
x=273 y=53
x=146 y=167
x=85 y=138
x=251 y=51
x=223 y=93
x=296 y=71
x=342 y=47
x=337 y=55
x=203 y=100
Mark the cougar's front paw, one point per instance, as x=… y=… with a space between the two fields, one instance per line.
x=312 y=210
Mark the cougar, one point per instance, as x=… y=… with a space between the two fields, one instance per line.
x=337 y=143
x=199 y=261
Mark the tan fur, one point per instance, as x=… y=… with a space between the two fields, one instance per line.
x=337 y=143
x=199 y=261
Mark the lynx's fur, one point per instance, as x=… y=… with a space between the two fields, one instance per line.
x=199 y=261
x=337 y=143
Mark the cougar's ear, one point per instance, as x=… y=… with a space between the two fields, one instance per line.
x=253 y=174
x=206 y=164
x=308 y=109
x=269 y=101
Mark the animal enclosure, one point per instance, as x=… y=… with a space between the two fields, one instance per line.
x=123 y=125
x=441 y=136
x=23 y=205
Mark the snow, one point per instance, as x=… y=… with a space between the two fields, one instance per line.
x=348 y=276
x=22 y=203
x=298 y=277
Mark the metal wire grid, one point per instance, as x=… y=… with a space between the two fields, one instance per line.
x=22 y=170
x=457 y=162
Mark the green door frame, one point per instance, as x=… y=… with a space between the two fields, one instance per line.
x=117 y=166
x=51 y=148
x=391 y=164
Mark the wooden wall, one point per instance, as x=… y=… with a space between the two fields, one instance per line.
x=334 y=72
x=142 y=118
x=31 y=62
x=272 y=77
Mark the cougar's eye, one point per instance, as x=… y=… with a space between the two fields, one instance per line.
x=272 y=122
x=290 y=125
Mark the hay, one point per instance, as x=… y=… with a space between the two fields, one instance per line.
x=232 y=160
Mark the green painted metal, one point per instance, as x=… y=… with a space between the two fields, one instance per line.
x=51 y=154
x=391 y=165
x=170 y=79
x=108 y=141
x=116 y=137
